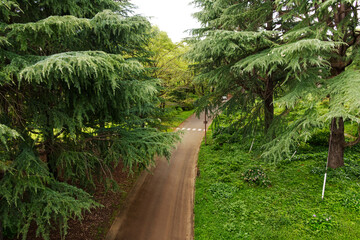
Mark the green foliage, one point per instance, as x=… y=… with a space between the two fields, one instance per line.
x=320 y=138
x=76 y=99
x=352 y=201
x=236 y=210
x=321 y=222
x=238 y=53
x=169 y=65
x=140 y=146
x=287 y=54
x=7 y=134
x=221 y=191
x=299 y=130
x=172 y=117
x=223 y=135
x=29 y=193
x=256 y=176
x=345 y=102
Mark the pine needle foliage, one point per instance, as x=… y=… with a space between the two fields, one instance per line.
x=345 y=101
x=330 y=23
x=75 y=101
x=290 y=53
x=239 y=51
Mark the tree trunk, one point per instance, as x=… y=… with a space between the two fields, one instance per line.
x=49 y=147
x=269 y=112
x=268 y=103
x=338 y=65
x=50 y=158
x=269 y=84
x=336 y=143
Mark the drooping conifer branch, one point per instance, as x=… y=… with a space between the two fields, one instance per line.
x=75 y=100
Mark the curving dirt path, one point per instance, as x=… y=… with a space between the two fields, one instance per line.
x=161 y=205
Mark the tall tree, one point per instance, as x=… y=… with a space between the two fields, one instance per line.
x=325 y=23
x=306 y=49
x=169 y=65
x=233 y=31
x=74 y=100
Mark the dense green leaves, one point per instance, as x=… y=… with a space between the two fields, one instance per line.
x=168 y=64
x=75 y=101
x=30 y=194
x=345 y=101
x=287 y=54
x=7 y=134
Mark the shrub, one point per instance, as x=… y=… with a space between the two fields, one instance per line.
x=321 y=222
x=320 y=138
x=257 y=177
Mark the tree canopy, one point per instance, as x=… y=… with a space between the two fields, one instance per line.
x=170 y=66
x=284 y=53
x=75 y=100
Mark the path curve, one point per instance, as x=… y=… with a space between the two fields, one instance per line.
x=160 y=207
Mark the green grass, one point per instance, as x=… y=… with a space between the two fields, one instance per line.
x=175 y=118
x=228 y=207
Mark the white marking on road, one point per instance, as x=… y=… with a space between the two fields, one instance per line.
x=191 y=129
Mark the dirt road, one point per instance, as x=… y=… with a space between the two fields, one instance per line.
x=161 y=205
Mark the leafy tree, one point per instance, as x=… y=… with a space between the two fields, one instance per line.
x=75 y=100
x=324 y=23
x=232 y=31
x=169 y=65
x=301 y=51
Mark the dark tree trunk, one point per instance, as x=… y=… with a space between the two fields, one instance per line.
x=338 y=65
x=51 y=162
x=49 y=149
x=268 y=103
x=269 y=112
x=336 y=143
x=269 y=83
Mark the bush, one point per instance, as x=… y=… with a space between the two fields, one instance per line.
x=257 y=177
x=223 y=135
x=320 y=138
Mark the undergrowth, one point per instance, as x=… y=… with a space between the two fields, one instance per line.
x=232 y=202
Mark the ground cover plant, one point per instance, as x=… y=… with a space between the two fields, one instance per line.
x=229 y=204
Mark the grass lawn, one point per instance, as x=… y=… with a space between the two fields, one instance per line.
x=281 y=201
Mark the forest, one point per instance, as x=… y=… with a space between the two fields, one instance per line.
x=88 y=89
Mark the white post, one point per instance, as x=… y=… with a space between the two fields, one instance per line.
x=252 y=144
x=292 y=155
x=323 y=191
